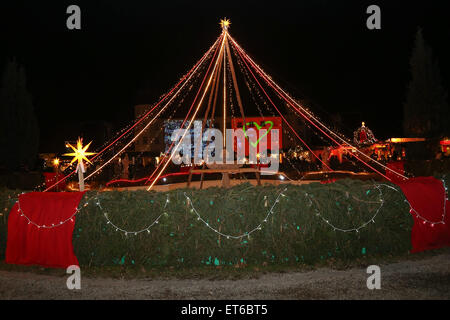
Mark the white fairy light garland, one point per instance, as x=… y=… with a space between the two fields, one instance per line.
x=22 y=214
x=381 y=201
x=246 y=234
x=258 y=227
x=147 y=229
x=417 y=214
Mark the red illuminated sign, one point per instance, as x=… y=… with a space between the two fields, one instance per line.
x=258 y=123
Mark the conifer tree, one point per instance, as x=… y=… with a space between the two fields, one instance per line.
x=19 y=131
x=426 y=112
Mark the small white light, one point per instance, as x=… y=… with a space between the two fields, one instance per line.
x=281 y=177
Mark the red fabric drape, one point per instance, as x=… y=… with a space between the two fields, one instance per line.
x=27 y=244
x=427 y=195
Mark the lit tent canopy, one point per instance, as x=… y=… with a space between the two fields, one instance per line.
x=211 y=90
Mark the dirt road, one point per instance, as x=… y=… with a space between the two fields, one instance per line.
x=428 y=278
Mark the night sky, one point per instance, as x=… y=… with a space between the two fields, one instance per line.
x=130 y=52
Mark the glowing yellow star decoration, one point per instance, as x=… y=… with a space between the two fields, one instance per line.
x=56 y=162
x=225 y=23
x=79 y=152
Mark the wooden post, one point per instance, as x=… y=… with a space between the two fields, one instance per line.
x=225 y=180
x=258 y=178
x=202 y=176
x=80 y=175
x=190 y=176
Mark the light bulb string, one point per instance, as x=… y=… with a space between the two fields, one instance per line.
x=53 y=225
x=245 y=234
x=372 y=219
x=258 y=227
x=416 y=213
x=147 y=229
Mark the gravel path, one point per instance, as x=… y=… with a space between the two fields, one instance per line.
x=428 y=278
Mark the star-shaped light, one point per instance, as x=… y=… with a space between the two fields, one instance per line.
x=56 y=162
x=79 y=152
x=225 y=23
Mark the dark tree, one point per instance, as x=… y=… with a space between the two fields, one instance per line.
x=19 y=132
x=426 y=112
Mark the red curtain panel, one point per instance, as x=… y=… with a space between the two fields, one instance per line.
x=29 y=244
x=427 y=196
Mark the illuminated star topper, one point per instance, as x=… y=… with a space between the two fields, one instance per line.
x=80 y=153
x=225 y=23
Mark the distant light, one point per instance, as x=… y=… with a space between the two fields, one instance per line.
x=56 y=162
x=401 y=140
x=281 y=177
x=164 y=179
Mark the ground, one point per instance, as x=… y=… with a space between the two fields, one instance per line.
x=424 y=278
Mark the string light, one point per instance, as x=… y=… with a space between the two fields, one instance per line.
x=417 y=214
x=143 y=117
x=253 y=88
x=228 y=236
x=282 y=194
x=140 y=132
x=163 y=160
x=126 y=232
x=284 y=119
x=53 y=225
x=116 y=179
x=290 y=100
x=372 y=219
x=193 y=116
x=195 y=77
